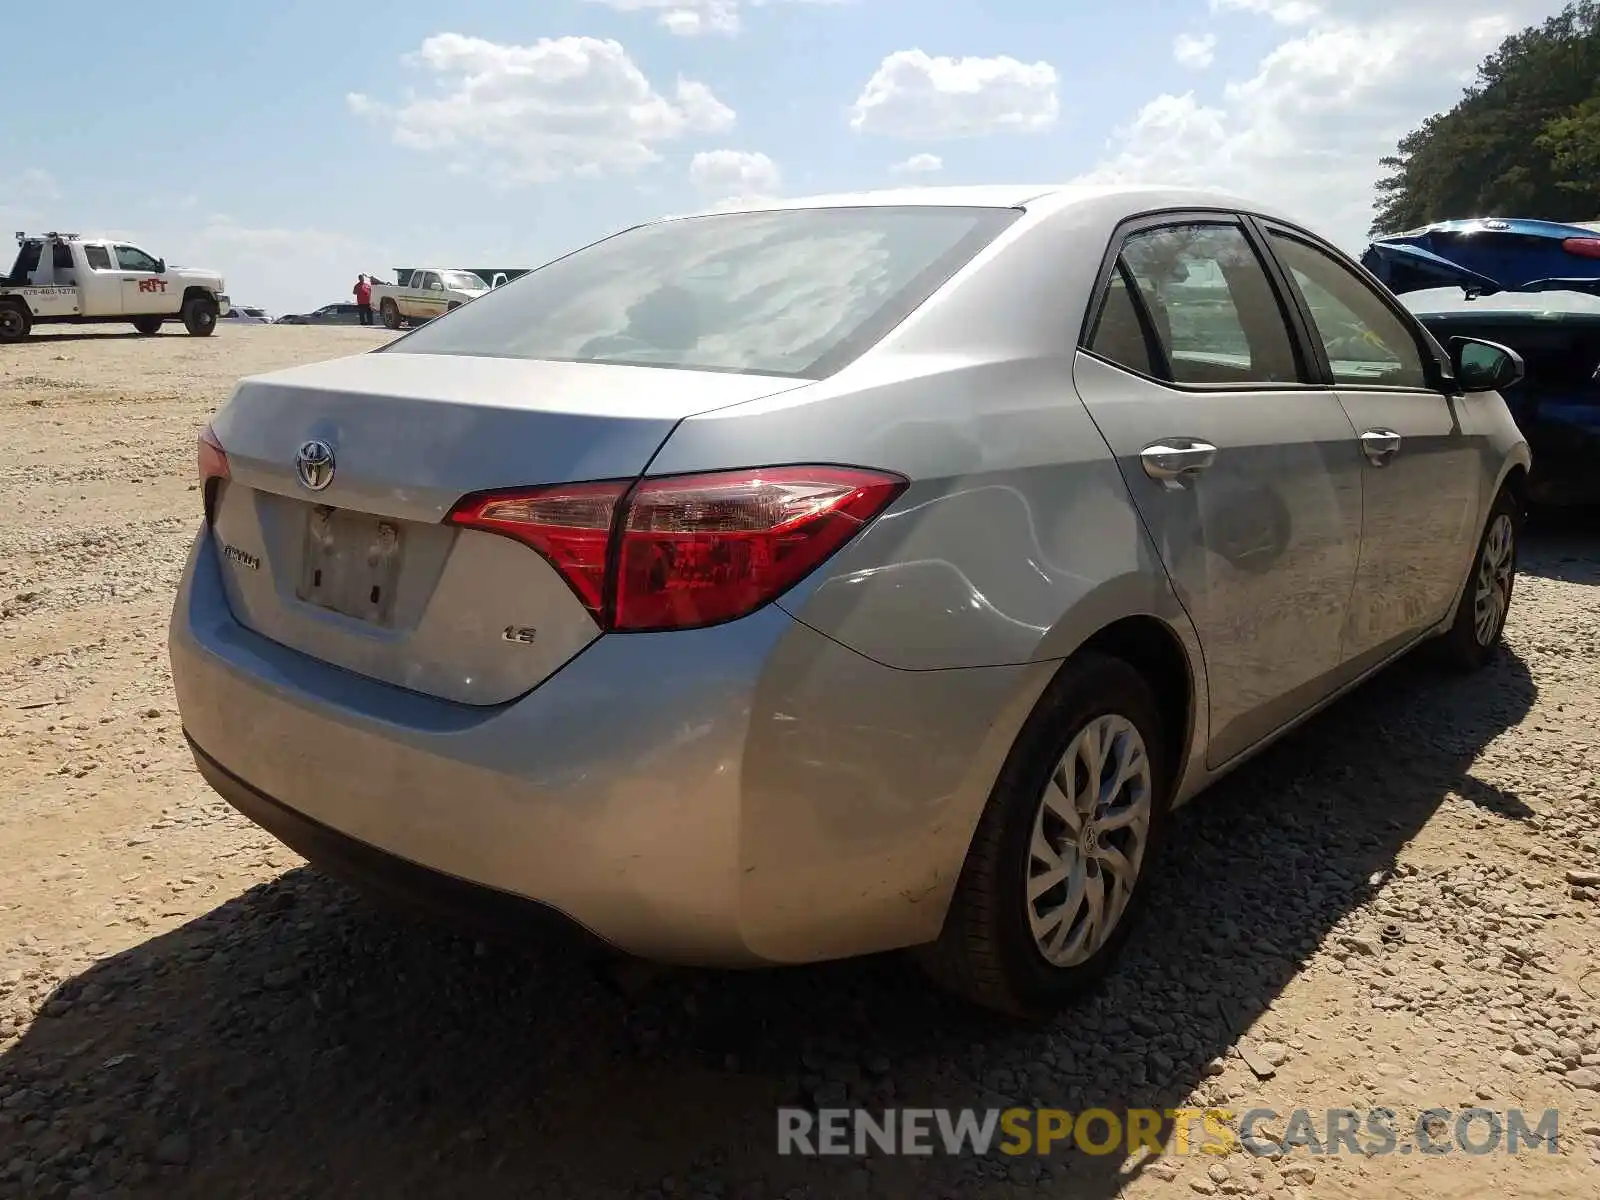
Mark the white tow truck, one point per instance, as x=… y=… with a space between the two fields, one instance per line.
x=61 y=278
x=430 y=292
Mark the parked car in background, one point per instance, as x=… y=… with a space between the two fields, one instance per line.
x=1488 y=253
x=1530 y=285
x=328 y=314
x=839 y=575
x=1557 y=404
x=247 y=316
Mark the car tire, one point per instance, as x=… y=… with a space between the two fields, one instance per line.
x=16 y=322
x=147 y=325
x=999 y=948
x=1474 y=634
x=200 y=316
x=390 y=312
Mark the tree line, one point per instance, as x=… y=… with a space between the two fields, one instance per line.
x=1523 y=141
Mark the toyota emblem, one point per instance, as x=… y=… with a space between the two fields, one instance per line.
x=314 y=465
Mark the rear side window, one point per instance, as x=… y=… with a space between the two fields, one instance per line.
x=1364 y=340
x=1119 y=333
x=98 y=258
x=796 y=293
x=60 y=256
x=1213 y=309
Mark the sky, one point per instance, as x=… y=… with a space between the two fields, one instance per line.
x=295 y=143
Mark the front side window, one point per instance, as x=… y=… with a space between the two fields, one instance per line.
x=797 y=292
x=1364 y=340
x=462 y=281
x=131 y=258
x=1213 y=309
x=98 y=258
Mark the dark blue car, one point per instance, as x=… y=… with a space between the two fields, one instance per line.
x=1533 y=286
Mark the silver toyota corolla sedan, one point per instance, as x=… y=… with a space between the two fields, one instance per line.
x=836 y=576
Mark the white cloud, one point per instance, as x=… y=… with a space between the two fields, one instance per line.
x=919 y=164
x=735 y=174
x=914 y=95
x=1305 y=129
x=560 y=107
x=1195 y=52
x=692 y=18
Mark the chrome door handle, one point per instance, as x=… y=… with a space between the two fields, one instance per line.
x=1380 y=445
x=1173 y=462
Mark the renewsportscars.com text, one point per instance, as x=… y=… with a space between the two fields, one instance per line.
x=1216 y=1131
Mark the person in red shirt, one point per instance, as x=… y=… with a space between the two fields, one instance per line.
x=363 y=292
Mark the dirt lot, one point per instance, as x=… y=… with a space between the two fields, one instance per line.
x=1394 y=908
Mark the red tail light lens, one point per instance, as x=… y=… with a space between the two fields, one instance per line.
x=708 y=548
x=692 y=550
x=1582 y=247
x=570 y=525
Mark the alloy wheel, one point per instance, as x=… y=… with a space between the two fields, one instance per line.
x=1495 y=565
x=1089 y=838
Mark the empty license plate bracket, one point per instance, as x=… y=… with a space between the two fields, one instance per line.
x=351 y=564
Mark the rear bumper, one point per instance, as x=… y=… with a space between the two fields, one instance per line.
x=747 y=794
x=405 y=885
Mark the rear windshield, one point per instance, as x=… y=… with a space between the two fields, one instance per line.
x=796 y=293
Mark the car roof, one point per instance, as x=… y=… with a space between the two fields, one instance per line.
x=1034 y=197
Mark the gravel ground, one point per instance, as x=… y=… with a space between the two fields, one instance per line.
x=1396 y=907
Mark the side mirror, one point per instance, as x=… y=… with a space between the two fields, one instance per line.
x=161 y=266
x=1481 y=366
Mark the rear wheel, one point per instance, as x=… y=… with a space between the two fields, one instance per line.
x=1481 y=614
x=390 y=312
x=1054 y=877
x=200 y=315
x=16 y=322
x=147 y=325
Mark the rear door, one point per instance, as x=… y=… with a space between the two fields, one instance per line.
x=1421 y=449
x=1246 y=473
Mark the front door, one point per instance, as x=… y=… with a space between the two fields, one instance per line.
x=144 y=288
x=1421 y=454
x=1245 y=472
x=432 y=301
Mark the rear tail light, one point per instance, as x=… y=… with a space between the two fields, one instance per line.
x=213 y=465
x=687 y=551
x=1583 y=247
x=570 y=526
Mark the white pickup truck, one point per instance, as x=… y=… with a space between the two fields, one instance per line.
x=61 y=278
x=430 y=292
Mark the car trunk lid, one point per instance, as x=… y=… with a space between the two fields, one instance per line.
x=362 y=572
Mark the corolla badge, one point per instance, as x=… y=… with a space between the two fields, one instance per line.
x=313 y=463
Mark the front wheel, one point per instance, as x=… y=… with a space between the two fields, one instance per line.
x=1480 y=618
x=147 y=325
x=1056 y=871
x=200 y=316
x=390 y=312
x=16 y=322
